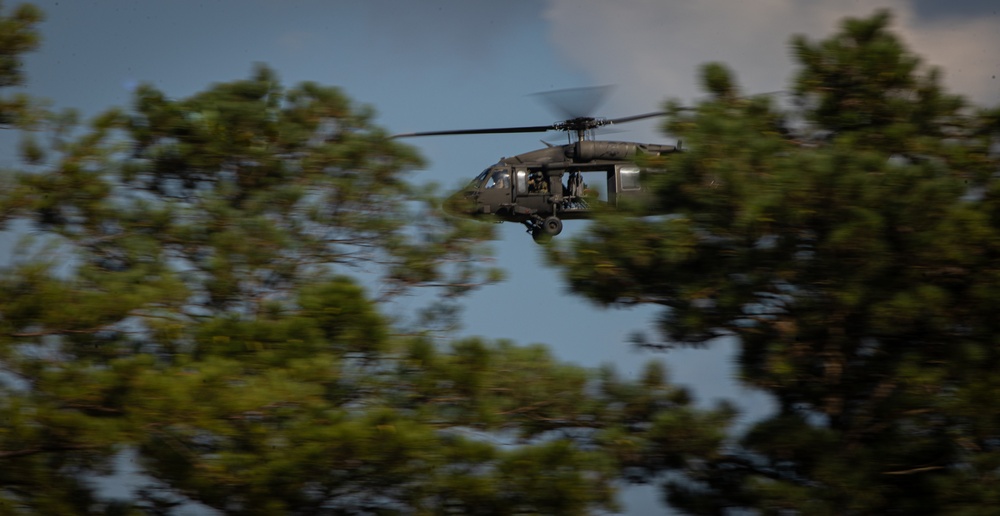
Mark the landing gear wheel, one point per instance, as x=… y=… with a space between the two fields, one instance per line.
x=552 y=226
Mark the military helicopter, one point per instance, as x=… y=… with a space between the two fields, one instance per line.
x=541 y=188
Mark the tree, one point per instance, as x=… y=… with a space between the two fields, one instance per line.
x=17 y=36
x=854 y=253
x=195 y=298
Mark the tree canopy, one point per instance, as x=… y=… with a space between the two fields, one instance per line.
x=851 y=244
x=202 y=299
x=17 y=36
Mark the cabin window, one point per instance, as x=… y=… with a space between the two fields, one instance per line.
x=630 y=177
x=522 y=180
x=537 y=183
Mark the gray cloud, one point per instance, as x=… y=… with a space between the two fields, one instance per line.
x=652 y=49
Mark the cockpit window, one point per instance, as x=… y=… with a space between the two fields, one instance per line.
x=480 y=178
x=500 y=178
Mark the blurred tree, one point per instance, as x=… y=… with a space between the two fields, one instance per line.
x=17 y=36
x=194 y=301
x=854 y=252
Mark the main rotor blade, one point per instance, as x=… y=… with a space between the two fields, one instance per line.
x=633 y=118
x=495 y=130
x=575 y=102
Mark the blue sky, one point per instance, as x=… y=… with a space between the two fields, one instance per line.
x=453 y=64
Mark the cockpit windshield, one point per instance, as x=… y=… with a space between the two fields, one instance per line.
x=499 y=178
x=480 y=178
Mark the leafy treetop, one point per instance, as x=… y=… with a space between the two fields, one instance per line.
x=854 y=254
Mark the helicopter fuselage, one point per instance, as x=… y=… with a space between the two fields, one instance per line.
x=543 y=187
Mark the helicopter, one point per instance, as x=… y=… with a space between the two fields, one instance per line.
x=541 y=188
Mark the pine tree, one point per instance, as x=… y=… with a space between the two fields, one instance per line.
x=854 y=253
x=19 y=36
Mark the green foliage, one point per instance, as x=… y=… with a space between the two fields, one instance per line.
x=323 y=433
x=17 y=36
x=855 y=258
x=244 y=191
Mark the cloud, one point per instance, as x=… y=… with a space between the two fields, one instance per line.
x=965 y=49
x=652 y=49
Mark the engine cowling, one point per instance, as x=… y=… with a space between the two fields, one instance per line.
x=588 y=151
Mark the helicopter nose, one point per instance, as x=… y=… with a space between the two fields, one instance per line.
x=461 y=204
